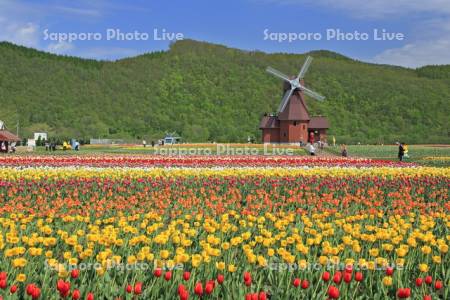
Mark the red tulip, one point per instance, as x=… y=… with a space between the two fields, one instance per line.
x=212 y=282
x=408 y=292
x=438 y=285
x=129 y=289
x=419 y=281
x=30 y=288
x=181 y=288
x=36 y=293
x=157 y=272
x=296 y=282
x=3 y=275
x=220 y=278
x=326 y=276
x=333 y=292
x=3 y=284
x=403 y=293
x=138 y=288
x=389 y=271
x=337 y=277
x=359 y=276
x=348 y=277
x=184 y=295
x=168 y=275
x=13 y=289
x=255 y=296
x=209 y=288
x=427 y=297
x=348 y=269
x=305 y=284
x=74 y=273
x=186 y=275
x=247 y=276
x=76 y=294
x=429 y=279
x=248 y=297
x=63 y=288
x=262 y=296
x=60 y=285
x=198 y=289
x=90 y=296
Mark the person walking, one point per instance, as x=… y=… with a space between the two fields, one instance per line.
x=13 y=147
x=344 y=150
x=311 y=149
x=401 y=151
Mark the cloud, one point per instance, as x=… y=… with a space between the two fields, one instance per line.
x=78 y=11
x=416 y=54
x=16 y=29
x=26 y=34
x=429 y=40
x=378 y=8
x=60 y=47
x=431 y=47
x=19 y=23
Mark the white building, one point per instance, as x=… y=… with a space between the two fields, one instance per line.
x=43 y=136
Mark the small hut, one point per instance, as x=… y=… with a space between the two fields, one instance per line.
x=171 y=139
x=6 y=138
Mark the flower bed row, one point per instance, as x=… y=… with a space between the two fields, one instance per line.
x=192 y=161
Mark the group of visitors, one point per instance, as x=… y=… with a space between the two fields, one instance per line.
x=50 y=146
x=402 y=150
x=6 y=147
x=144 y=143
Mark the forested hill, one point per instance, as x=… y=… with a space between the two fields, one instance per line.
x=208 y=92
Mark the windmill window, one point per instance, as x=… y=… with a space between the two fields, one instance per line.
x=295 y=123
x=304 y=127
x=284 y=134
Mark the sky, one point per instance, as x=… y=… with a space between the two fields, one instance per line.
x=416 y=32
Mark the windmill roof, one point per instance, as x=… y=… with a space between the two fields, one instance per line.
x=6 y=136
x=319 y=122
x=269 y=122
x=296 y=109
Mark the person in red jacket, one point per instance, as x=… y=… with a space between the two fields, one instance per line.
x=311 y=138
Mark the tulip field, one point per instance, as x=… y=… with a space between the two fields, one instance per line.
x=123 y=226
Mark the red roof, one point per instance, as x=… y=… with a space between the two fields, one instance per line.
x=6 y=136
x=269 y=122
x=296 y=109
x=319 y=123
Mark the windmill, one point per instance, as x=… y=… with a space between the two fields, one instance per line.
x=292 y=123
x=295 y=84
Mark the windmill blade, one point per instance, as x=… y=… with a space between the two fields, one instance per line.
x=277 y=73
x=305 y=67
x=285 y=99
x=312 y=94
